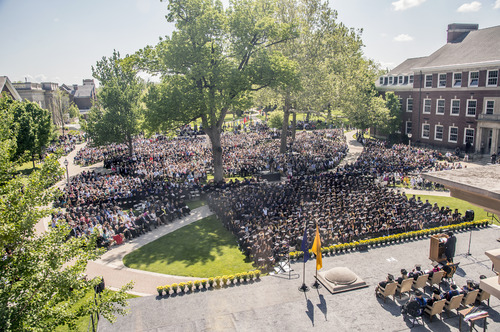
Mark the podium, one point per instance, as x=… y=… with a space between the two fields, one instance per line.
x=437 y=247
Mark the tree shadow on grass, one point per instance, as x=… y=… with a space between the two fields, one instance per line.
x=202 y=242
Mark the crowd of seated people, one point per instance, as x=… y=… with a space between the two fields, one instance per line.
x=348 y=204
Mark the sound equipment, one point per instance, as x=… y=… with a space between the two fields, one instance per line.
x=469 y=215
x=271 y=177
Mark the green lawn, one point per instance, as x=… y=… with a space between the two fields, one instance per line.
x=82 y=323
x=196 y=204
x=202 y=249
x=455 y=203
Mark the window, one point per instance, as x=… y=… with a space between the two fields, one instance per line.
x=427 y=106
x=395 y=81
x=455 y=107
x=438 y=134
x=492 y=78
x=428 y=81
x=474 y=78
x=453 y=135
x=381 y=81
x=405 y=80
x=426 y=128
x=469 y=136
x=490 y=107
x=409 y=105
x=400 y=79
x=471 y=107
x=442 y=80
x=390 y=79
x=457 y=80
x=408 y=127
x=385 y=80
x=400 y=103
x=440 y=106
x=411 y=79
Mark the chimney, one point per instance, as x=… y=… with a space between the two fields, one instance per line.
x=458 y=31
x=75 y=87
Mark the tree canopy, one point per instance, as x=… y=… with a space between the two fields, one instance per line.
x=118 y=114
x=212 y=62
x=32 y=128
x=40 y=274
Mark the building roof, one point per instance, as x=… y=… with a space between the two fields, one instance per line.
x=480 y=46
x=84 y=91
x=477 y=48
x=6 y=85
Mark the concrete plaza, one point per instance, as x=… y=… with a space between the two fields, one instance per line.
x=274 y=303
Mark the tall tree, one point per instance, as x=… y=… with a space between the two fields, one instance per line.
x=325 y=51
x=211 y=63
x=60 y=108
x=41 y=284
x=33 y=129
x=393 y=104
x=117 y=116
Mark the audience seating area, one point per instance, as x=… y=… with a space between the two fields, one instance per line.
x=442 y=296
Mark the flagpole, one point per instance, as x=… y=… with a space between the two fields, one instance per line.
x=316 y=284
x=305 y=250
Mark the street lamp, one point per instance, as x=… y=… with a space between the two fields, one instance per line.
x=67 y=171
x=409 y=140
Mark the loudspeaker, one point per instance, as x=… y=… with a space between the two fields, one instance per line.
x=469 y=215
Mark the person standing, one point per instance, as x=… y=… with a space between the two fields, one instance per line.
x=449 y=247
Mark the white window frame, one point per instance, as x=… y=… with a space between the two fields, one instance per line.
x=436 y=132
x=429 y=130
x=451 y=107
x=411 y=79
x=439 y=80
x=473 y=134
x=400 y=79
x=430 y=106
x=381 y=80
x=426 y=81
x=437 y=106
x=470 y=79
x=408 y=103
x=449 y=134
x=390 y=80
x=406 y=127
x=455 y=81
x=488 y=78
x=486 y=106
x=467 y=109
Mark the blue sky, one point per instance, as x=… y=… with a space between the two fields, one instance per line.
x=59 y=40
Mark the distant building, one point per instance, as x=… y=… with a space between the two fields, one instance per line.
x=7 y=87
x=84 y=95
x=451 y=98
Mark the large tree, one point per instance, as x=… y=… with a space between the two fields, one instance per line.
x=326 y=51
x=33 y=128
x=211 y=63
x=41 y=284
x=117 y=116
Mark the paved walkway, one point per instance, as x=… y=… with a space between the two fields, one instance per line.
x=275 y=304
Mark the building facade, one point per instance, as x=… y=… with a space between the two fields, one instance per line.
x=452 y=97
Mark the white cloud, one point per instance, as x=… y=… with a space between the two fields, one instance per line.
x=403 y=38
x=406 y=4
x=496 y=5
x=474 y=6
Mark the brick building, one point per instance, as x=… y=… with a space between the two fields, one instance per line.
x=452 y=97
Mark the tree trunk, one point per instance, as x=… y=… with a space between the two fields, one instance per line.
x=130 y=145
x=286 y=117
x=214 y=135
x=294 y=125
x=33 y=160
